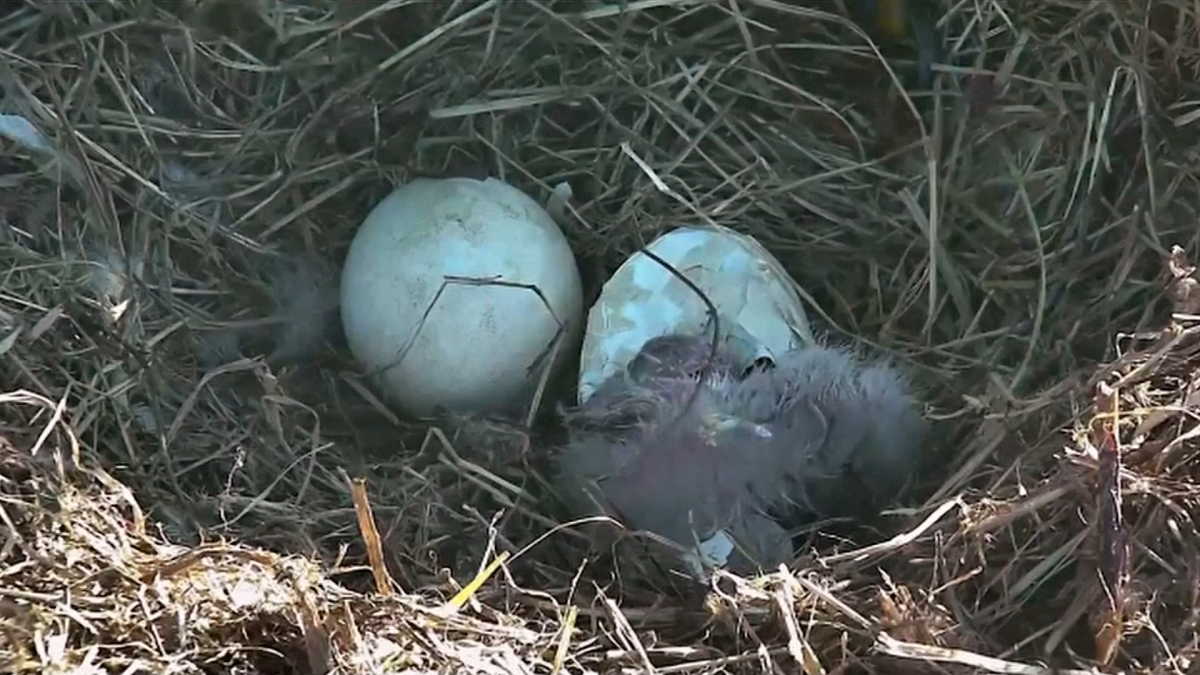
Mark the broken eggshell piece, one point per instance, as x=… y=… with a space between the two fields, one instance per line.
x=761 y=534
x=760 y=313
x=713 y=552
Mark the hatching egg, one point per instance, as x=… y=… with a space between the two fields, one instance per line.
x=456 y=294
x=759 y=312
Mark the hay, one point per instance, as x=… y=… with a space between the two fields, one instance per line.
x=193 y=147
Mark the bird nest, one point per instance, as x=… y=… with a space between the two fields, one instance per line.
x=193 y=483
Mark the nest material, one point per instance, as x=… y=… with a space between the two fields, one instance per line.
x=192 y=145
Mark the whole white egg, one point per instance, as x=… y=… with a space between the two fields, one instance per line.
x=759 y=311
x=465 y=347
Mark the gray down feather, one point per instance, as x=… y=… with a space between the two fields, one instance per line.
x=846 y=430
x=684 y=446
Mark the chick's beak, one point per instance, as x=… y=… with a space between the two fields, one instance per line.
x=716 y=424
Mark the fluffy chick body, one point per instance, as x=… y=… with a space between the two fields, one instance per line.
x=846 y=431
x=685 y=451
x=684 y=470
x=654 y=447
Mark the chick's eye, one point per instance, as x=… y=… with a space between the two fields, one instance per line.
x=761 y=364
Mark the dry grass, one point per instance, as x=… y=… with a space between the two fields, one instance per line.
x=1008 y=243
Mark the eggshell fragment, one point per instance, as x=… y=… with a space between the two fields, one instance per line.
x=759 y=310
x=464 y=346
